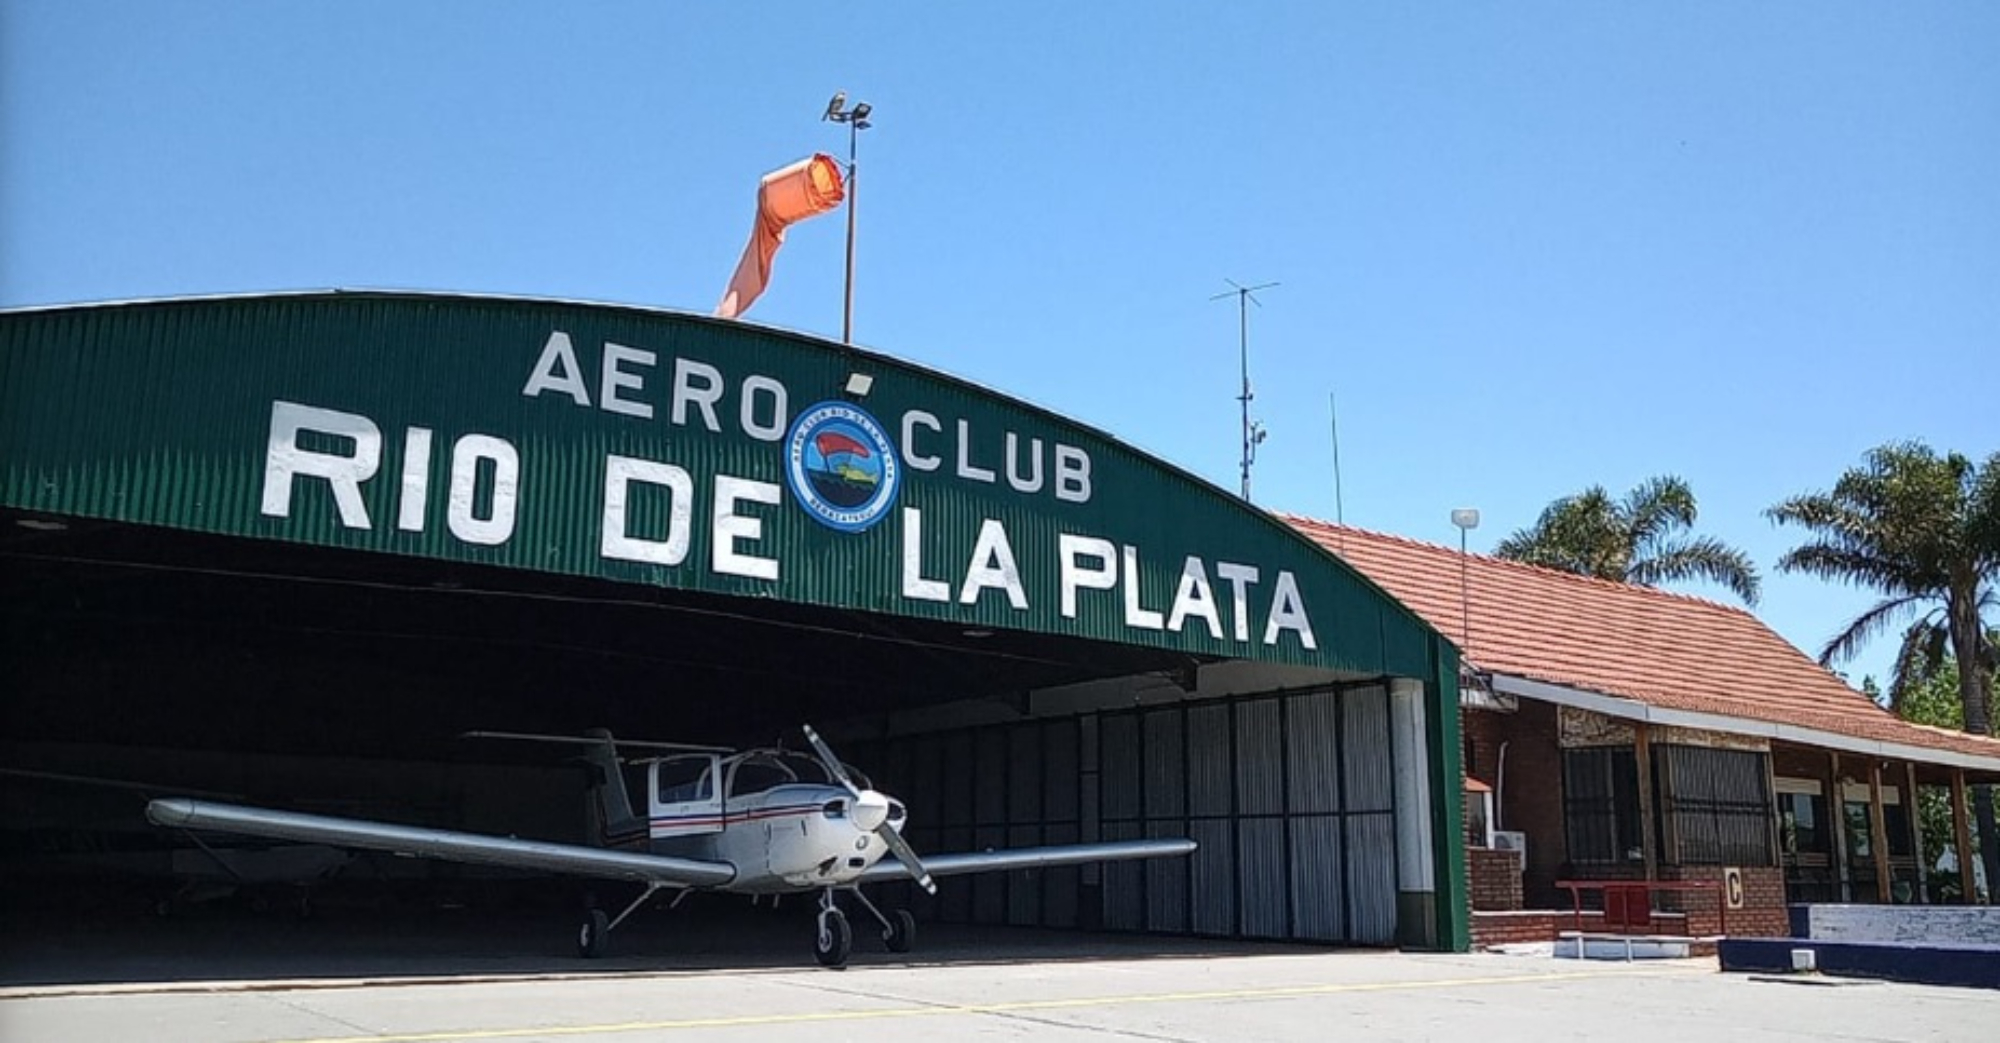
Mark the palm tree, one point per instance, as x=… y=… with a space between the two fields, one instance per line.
x=1924 y=530
x=1639 y=539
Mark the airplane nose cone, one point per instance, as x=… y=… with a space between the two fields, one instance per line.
x=871 y=809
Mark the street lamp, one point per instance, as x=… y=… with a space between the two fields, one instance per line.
x=856 y=119
x=1467 y=519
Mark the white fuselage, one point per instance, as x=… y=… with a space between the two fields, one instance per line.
x=791 y=837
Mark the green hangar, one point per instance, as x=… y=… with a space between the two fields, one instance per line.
x=308 y=540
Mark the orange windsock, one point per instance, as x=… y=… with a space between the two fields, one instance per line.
x=785 y=197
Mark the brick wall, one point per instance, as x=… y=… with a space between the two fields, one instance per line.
x=1763 y=914
x=1529 y=798
x=1495 y=878
x=1514 y=927
x=1484 y=731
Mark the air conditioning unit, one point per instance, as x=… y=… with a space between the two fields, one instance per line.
x=1512 y=840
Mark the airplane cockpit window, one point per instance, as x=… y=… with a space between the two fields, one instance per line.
x=764 y=770
x=684 y=779
x=759 y=773
x=806 y=769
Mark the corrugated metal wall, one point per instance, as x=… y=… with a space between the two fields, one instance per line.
x=1289 y=796
x=164 y=413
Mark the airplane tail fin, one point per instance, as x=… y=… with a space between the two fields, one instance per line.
x=610 y=803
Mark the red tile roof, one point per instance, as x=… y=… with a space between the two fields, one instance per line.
x=1665 y=650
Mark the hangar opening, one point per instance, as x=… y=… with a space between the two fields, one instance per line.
x=293 y=547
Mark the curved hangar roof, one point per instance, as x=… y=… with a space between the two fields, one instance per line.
x=656 y=448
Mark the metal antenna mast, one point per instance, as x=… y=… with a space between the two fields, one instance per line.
x=1339 y=506
x=1253 y=433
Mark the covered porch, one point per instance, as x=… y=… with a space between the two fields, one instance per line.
x=1900 y=831
x=1558 y=795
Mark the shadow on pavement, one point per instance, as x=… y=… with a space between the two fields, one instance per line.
x=50 y=944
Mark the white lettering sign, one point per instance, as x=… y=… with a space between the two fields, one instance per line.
x=1194 y=597
x=616 y=379
x=620 y=473
x=731 y=527
x=914 y=583
x=556 y=370
x=416 y=480
x=1288 y=612
x=284 y=459
x=461 y=512
x=1239 y=578
x=992 y=566
x=1073 y=575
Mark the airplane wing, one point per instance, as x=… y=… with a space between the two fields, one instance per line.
x=449 y=845
x=1028 y=858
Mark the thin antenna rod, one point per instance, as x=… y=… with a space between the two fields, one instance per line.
x=1339 y=507
x=1253 y=433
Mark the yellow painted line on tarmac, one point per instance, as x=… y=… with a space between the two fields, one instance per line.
x=960 y=1010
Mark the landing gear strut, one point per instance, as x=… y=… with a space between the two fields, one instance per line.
x=899 y=928
x=594 y=937
x=835 y=939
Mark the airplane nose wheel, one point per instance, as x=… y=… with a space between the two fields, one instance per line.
x=835 y=939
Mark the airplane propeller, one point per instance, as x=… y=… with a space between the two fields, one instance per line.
x=871 y=812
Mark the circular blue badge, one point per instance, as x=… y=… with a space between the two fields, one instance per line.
x=841 y=465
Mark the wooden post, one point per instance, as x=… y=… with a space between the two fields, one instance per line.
x=1878 y=834
x=1642 y=750
x=1913 y=813
x=1961 y=836
x=1777 y=804
x=1836 y=804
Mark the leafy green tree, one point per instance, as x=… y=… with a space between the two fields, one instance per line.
x=1924 y=530
x=1931 y=700
x=1641 y=538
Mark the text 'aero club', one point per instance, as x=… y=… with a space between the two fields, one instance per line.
x=312 y=451
x=765 y=821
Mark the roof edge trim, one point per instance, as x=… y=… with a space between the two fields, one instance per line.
x=1628 y=709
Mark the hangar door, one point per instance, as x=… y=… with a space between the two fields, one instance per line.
x=1289 y=796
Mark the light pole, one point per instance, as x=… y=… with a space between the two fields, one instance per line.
x=856 y=119
x=1467 y=519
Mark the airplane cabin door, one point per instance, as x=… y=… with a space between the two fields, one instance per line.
x=684 y=796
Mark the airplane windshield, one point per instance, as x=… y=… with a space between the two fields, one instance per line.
x=762 y=771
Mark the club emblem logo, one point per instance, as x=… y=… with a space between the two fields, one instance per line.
x=841 y=465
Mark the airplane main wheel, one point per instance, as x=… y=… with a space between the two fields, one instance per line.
x=835 y=939
x=902 y=932
x=595 y=934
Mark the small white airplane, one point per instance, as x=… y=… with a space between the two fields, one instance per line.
x=765 y=821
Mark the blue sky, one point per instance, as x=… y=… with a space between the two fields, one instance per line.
x=1530 y=247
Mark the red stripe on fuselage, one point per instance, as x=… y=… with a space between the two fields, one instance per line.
x=726 y=818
